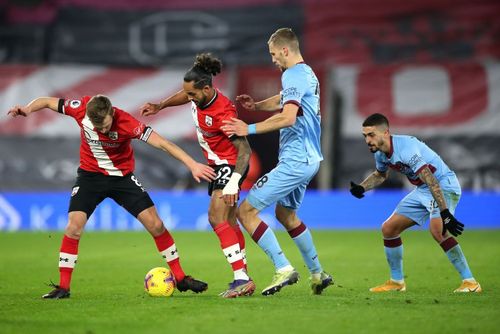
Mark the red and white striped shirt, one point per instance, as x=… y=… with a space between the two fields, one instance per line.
x=217 y=147
x=111 y=153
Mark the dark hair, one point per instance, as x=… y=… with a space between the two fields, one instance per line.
x=376 y=120
x=204 y=67
x=98 y=107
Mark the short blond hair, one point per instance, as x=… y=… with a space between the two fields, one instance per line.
x=98 y=107
x=285 y=37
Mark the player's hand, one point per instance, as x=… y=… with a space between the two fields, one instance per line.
x=235 y=127
x=149 y=109
x=451 y=224
x=201 y=171
x=357 y=190
x=18 y=110
x=246 y=101
x=230 y=193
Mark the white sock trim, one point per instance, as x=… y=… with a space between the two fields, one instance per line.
x=399 y=281
x=170 y=253
x=233 y=253
x=286 y=268
x=67 y=260
x=241 y=274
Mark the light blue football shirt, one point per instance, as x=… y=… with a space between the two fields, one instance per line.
x=301 y=142
x=408 y=156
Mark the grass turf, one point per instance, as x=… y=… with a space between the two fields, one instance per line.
x=107 y=287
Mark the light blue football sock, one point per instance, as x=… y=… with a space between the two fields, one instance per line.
x=304 y=242
x=269 y=244
x=457 y=258
x=394 y=257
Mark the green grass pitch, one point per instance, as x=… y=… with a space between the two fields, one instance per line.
x=108 y=297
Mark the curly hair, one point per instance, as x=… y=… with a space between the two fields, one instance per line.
x=205 y=66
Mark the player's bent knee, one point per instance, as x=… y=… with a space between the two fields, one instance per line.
x=151 y=221
x=214 y=217
x=280 y=217
x=437 y=235
x=73 y=231
x=242 y=214
x=239 y=215
x=389 y=230
x=156 y=228
x=76 y=223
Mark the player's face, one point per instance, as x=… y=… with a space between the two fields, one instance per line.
x=278 y=55
x=198 y=96
x=375 y=137
x=106 y=125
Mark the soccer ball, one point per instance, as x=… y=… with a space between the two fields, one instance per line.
x=159 y=282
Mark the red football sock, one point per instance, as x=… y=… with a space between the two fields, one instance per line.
x=166 y=246
x=68 y=255
x=230 y=245
x=241 y=241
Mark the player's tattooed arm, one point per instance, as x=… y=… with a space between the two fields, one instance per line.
x=374 y=180
x=230 y=193
x=428 y=178
x=244 y=151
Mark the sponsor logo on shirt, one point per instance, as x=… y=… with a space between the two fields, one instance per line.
x=206 y=133
x=95 y=142
x=291 y=93
x=415 y=160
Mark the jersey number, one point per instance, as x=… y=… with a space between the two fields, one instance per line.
x=224 y=174
x=137 y=183
x=260 y=182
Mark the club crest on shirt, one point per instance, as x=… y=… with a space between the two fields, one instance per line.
x=113 y=135
x=74 y=191
x=208 y=120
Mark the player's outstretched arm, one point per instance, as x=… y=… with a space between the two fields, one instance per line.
x=199 y=171
x=372 y=181
x=232 y=188
x=450 y=223
x=270 y=104
x=177 y=99
x=284 y=119
x=33 y=106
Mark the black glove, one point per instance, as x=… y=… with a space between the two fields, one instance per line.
x=357 y=190
x=451 y=224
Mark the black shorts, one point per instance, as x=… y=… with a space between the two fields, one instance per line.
x=91 y=189
x=224 y=173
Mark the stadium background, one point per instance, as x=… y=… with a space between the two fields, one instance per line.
x=431 y=66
